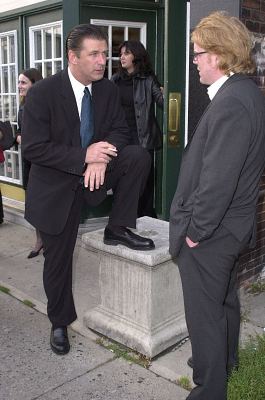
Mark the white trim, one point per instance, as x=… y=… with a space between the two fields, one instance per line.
x=124 y=24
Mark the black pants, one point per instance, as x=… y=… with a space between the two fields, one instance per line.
x=209 y=279
x=1 y=208
x=146 y=201
x=128 y=181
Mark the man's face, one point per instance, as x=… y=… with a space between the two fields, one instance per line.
x=90 y=64
x=207 y=65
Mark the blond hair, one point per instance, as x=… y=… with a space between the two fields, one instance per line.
x=227 y=37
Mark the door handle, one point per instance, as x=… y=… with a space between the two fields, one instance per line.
x=174 y=104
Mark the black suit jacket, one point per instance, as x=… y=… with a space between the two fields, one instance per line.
x=51 y=141
x=221 y=167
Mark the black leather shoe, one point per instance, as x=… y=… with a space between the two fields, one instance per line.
x=34 y=253
x=59 y=340
x=190 y=362
x=127 y=238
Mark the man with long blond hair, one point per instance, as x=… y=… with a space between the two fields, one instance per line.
x=213 y=212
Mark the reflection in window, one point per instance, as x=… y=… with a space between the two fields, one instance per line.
x=4 y=50
x=46 y=48
x=47 y=43
x=133 y=33
x=37 y=45
x=117 y=39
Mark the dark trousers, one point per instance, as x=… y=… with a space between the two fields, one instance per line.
x=128 y=180
x=209 y=279
x=146 y=201
x=1 y=208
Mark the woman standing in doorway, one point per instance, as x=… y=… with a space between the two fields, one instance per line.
x=26 y=79
x=140 y=91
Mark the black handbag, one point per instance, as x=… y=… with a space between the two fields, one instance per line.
x=7 y=139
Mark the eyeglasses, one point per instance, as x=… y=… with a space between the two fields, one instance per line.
x=196 y=55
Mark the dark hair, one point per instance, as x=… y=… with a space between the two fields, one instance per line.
x=141 y=61
x=32 y=74
x=76 y=36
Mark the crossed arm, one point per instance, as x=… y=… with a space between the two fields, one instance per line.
x=98 y=156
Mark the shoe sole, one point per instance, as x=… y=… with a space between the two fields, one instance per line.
x=58 y=352
x=113 y=242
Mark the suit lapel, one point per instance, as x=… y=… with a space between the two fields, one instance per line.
x=70 y=109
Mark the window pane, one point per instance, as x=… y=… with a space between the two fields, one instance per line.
x=37 y=45
x=5 y=79
x=47 y=43
x=57 y=66
x=47 y=69
x=13 y=81
x=57 y=42
x=134 y=33
x=4 y=50
x=38 y=66
x=117 y=39
x=13 y=116
x=12 y=49
x=6 y=108
x=105 y=29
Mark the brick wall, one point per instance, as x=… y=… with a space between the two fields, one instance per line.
x=252 y=263
x=253 y=15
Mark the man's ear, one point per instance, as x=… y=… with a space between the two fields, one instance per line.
x=72 y=57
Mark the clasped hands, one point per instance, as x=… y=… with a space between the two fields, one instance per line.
x=98 y=155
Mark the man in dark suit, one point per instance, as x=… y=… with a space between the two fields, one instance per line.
x=64 y=174
x=213 y=211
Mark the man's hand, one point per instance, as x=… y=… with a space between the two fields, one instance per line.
x=190 y=243
x=100 y=152
x=94 y=175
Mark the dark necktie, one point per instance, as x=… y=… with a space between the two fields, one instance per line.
x=87 y=123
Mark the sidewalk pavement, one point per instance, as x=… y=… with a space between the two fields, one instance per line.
x=30 y=370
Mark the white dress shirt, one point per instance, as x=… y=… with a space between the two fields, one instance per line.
x=78 y=89
x=213 y=89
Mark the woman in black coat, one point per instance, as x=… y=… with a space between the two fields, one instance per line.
x=140 y=91
x=26 y=79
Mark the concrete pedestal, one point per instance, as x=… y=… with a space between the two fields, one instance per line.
x=141 y=295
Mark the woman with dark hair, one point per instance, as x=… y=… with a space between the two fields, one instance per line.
x=139 y=91
x=26 y=79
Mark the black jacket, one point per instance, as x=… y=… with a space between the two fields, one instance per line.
x=146 y=92
x=51 y=141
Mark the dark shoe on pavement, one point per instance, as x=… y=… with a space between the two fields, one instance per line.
x=59 y=340
x=190 y=362
x=127 y=238
x=34 y=253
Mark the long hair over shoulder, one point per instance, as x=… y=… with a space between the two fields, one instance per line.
x=141 y=61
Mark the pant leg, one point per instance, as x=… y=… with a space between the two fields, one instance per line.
x=146 y=201
x=1 y=208
x=206 y=279
x=232 y=310
x=57 y=273
x=128 y=180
